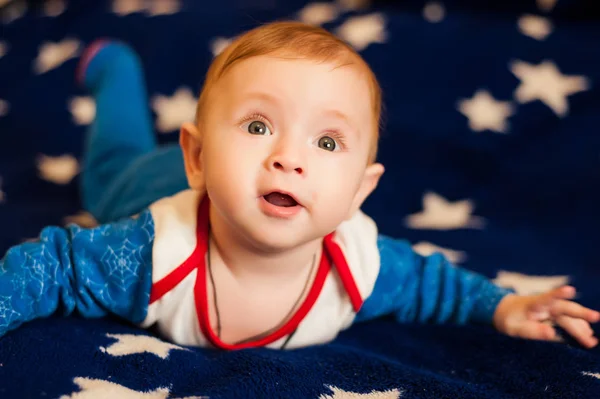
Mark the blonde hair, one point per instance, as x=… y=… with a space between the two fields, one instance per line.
x=299 y=40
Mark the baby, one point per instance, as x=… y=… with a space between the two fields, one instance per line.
x=250 y=233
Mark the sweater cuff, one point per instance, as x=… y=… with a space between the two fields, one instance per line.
x=487 y=302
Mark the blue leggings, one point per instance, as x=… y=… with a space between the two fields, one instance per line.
x=124 y=169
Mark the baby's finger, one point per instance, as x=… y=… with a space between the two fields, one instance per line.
x=539 y=304
x=578 y=329
x=573 y=309
x=564 y=292
x=536 y=330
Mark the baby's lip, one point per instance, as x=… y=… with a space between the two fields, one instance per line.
x=276 y=190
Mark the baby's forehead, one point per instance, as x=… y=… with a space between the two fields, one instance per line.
x=254 y=65
x=263 y=77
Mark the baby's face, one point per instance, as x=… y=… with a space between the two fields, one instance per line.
x=285 y=147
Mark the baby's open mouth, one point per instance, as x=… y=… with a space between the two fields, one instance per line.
x=280 y=199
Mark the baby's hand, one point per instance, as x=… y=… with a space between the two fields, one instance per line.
x=524 y=316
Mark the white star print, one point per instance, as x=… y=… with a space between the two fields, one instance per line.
x=318 y=13
x=426 y=248
x=3 y=48
x=434 y=12
x=51 y=55
x=53 y=8
x=595 y=375
x=353 y=4
x=545 y=82
x=363 y=30
x=13 y=11
x=529 y=285
x=59 y=170
x=125 y=7
x=441 y=214
x=535 y=26
x=83 y=110
x=94 y=389
x=128 y=344
x=341 y=394
x=546 y=5
x=164 y=7
x=4 y=107
x=485 y=112
x=219 y=44
x=175 y=110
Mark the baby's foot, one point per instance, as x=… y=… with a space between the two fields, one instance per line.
x=96 y=59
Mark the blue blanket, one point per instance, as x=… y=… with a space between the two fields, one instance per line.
x=492 y=154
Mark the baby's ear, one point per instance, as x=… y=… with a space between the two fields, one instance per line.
x=369 y=182
x=190 y=140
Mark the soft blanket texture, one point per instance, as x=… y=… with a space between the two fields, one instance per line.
x=492 y=154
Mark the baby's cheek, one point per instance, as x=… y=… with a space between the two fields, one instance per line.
x=314 y=198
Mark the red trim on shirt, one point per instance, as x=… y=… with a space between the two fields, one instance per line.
x=339 y=260
x=201 y=293
x=332 y=253
x=286 y=329
x=171 y=280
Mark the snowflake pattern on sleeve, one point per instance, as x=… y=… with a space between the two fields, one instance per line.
x=107 y=269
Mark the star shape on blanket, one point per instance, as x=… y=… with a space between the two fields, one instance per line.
x=91 y=388
x=434 y=12
x=535 y=26
x=440 y=214
x=174 y=110
x=13 y=10
x=53 y=8
x=125 y=7
x=52 y=55
x=318 y=13
x=341 y=394
x=131 y=344
x=546 y=83
x=425 y=248
x=595 y=375
x=546 y=5
x=59 y=170
x=529 y=285
x=83 y=109
x=217 y=45
x=163 y=7
x=353 y=5
x=361 y=31
x=485 y=112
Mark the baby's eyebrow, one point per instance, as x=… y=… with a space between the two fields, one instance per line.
x=338 y=115
x=262 y=96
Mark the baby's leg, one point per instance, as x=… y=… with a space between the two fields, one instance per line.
x=123 y=169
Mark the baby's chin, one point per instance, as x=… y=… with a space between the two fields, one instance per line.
x=277 y=239
x=273 y=240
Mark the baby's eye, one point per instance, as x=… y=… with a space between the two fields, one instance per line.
x=327 y=143
x=258 y=128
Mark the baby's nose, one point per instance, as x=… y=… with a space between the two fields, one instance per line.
x=288 y=165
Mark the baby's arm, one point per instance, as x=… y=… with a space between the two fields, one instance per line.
x=94 y=272
x=428 y=289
